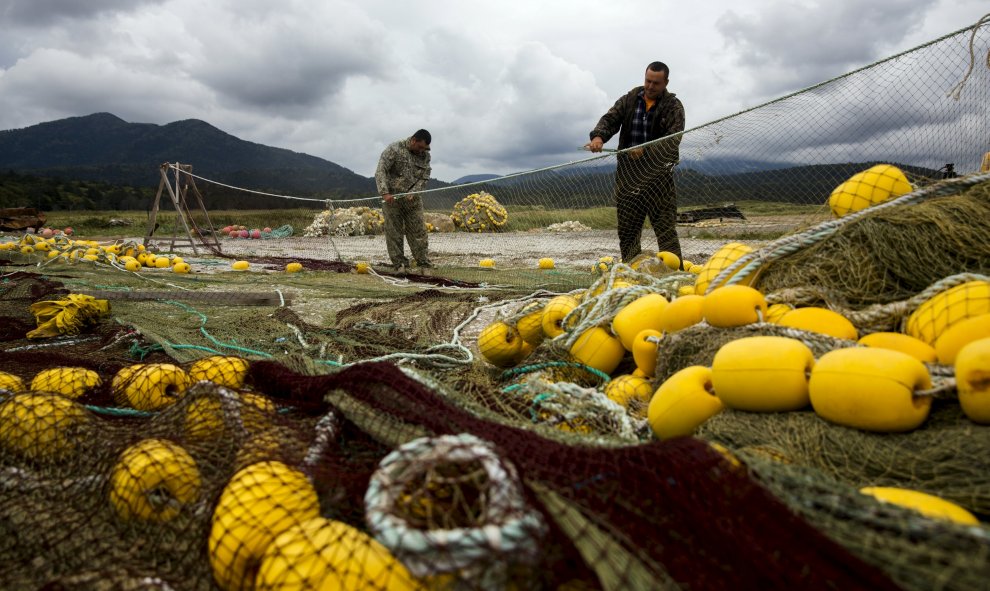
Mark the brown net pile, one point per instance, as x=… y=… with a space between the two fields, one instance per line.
x=946 y=458
x=891 y=254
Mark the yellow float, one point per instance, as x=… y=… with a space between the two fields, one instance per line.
x=11 y=383
x=632 y=392
x=530 y=326
x=154 y=386
x=40 y=427
x=642 y=313
x=733 y=305
x=645 y=350
x=946 y=308
x=153 y=480
x=869 y=187
x=293 y=267
x=973 y=380
x=597 y=348
x=820 y=320
x=924 y=503
x=960 y=334
x=870 y=389
x=724 y=257
x=682 y=403
x=260 y=502
x=681 y=313
x=71 y=382
x=671 y=260
x=326 y=554
x=762 y=374
x=500 y=344
x=554 y=313
x=225 y=370
x=898 y=341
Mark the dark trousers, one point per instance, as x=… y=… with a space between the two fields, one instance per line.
x=404 y=220
x=645 y=189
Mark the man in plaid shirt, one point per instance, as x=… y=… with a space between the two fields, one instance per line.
x=644 y=176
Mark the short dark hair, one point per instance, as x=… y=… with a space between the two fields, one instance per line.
x=660 y=67
x=423 y=136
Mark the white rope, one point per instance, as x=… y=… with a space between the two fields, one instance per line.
x=956 y=91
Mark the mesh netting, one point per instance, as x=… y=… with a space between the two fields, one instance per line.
x=258 y=425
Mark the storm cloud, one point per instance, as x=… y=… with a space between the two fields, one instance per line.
x=503 y=87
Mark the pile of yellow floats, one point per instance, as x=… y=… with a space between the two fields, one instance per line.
x=876 y=382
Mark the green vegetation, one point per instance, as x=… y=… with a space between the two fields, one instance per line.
x=50 y=194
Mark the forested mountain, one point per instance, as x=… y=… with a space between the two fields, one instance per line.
x=103 y=147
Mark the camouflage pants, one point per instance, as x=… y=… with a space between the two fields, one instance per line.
x=645 y=189
x=404 y=219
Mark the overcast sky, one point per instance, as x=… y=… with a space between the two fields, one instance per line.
x=503 y=86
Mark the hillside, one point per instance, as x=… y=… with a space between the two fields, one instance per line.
x=103 y=147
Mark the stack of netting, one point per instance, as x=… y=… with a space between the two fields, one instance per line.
x=224 y=472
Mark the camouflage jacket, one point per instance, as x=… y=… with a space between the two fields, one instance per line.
x=668 y=120
x=401 y=171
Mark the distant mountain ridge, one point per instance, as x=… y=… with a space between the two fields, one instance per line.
x=104 y=147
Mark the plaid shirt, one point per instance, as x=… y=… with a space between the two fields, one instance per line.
x=642 y=120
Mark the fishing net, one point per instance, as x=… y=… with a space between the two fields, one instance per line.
x=247 y=426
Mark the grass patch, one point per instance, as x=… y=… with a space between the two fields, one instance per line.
x=521 y=218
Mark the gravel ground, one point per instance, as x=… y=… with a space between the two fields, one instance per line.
x=518 y=249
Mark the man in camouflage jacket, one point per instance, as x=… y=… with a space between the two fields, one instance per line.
x=403 y=168
x=644 y=177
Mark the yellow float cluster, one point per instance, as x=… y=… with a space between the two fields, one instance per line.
x=479 y=212
x=126 y=255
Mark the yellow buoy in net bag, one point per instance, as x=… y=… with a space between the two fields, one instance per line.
x=260 y=502
x=154 y=386
x=946 y=308
x=870 y=389
x=328 y=554
x=924 y=503
x=154 y=480
x=718 y=262
x=500 y=344
x=554 y=313
x=10 y=382
x=863 y=189
x=530 y=326
x=40 y=427
x=683 y=401
x=762 y=374
x=71 y=382
x=224 y=370
x=632 y=392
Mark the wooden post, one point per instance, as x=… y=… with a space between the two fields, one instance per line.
x=178 y=194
